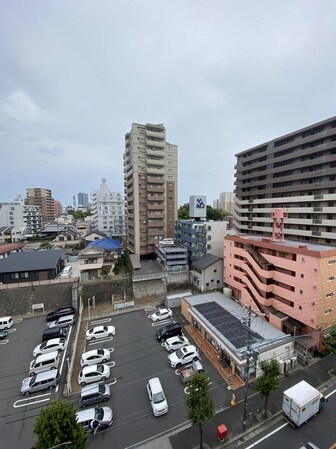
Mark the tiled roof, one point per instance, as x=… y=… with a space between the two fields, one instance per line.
x=205 y=261
x=31 y=261
x=9 y=247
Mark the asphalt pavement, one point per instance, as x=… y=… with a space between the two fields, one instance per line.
x=320 y=374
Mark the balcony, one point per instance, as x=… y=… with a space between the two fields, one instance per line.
x=156 y=134
x=158 y=152
x=153 y=170
x=151 y=161
x=155 y=143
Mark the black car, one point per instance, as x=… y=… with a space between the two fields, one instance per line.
x=62 y=311
x=171 y=330
x=54 y=332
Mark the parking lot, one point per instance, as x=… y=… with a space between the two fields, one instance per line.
x=136 y=356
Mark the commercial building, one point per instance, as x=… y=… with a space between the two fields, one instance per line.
x=108 y=211
x=37 y=196
x=202 y=237
x=292 y=283
x=150 y=179
x=82 y=199
x=296 y=172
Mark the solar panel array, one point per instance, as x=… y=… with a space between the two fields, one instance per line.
x=228 y=325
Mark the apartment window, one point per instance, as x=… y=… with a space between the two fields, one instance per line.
x=330 y=278
x=303 y=260
x=300 y=307
x=331 y=262
x=326 y=312
x=302 y=275
x=329 y=295
x=215 y=271
x=301 y=292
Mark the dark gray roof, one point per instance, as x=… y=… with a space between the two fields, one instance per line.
x=31 y=261
x=96 y=232
x=205 y=261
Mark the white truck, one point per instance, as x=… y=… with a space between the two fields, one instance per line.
x=301 y=402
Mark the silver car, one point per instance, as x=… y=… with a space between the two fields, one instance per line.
x=62 y=321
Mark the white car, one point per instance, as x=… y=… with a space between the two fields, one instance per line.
x=55 y=344
x=94 y=357
x=157 y=397
x=174 y=343
x=100 y=332
x=183 y=356
x=161 y=314
x=93 y=373
x=62 y=321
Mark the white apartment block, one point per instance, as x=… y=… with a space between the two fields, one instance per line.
x=226 y=202
x=108 y=211
x=150 y=179
x=23 y=217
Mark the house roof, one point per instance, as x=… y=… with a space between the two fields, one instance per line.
x=96 y=232
x=9 y=247
x=105 y=243
x=5 y=229
x=205 y=261
x=31 y=261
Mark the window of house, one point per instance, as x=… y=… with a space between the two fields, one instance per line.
x=300 y=307
x=207 y=284
x=302 y=275
x=215 y=270
x=301 y=292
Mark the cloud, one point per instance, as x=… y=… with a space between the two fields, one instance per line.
x=21 y=107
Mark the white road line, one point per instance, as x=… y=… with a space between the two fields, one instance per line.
x=110 y=349
x=331 y=393
x=150 y=308
x=103 y=320
x=4 y=342
x=267 y=436
x=19 y=320
x=114 y=381
x=160 y=323
x=111 y=364
x=100 y=340
x=13 y=329
x=30 y=401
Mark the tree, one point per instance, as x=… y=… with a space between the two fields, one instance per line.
x=200 y=406
x=183 y=212
x=216 y=214
x=268 y=381
x=56 y=424
x=329 y=342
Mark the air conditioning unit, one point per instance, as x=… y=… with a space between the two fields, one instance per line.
x=287 y=365
x=281 y=366
x=293 y=362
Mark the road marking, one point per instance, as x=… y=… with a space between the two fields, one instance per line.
x=29 y=401
x=4 y=342
x=113 y=381
x=13 y=329
x=159 y=323
x=111 y=364
x=331 y=393
x=19 y=320
x=103 y=320
x=100 y=340
x=110 y=349
x=150 y=308
x=267 y=436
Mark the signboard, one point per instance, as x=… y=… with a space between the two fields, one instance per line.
x=197 y=206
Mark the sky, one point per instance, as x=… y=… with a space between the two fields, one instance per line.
x=222 y=76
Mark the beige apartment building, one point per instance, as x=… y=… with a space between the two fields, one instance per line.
x=37 y=196
x=150 y=181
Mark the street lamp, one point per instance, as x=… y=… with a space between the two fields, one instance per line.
x=89 y=306
x=164 y=278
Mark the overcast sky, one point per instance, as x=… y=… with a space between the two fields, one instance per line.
x=222 y=76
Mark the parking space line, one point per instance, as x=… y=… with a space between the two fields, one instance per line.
x=159 y=323
x=4 y=342
x=100 y=340
x=114 y=381
x=19 y=320
x=148 y=309
x=103 y=320
x=11 y=330
x=111 y=364
x=29 y=401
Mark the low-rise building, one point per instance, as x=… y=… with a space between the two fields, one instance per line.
x=207 y=273
x=172 y=256
x=8 y=248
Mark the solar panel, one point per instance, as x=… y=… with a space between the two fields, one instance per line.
x=227 y=324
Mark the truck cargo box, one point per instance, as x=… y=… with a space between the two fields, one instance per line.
x=300 y=403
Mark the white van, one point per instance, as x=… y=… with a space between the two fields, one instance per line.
x=6 y=322
x=42 y=381
x=66 y=272
x=44 y=362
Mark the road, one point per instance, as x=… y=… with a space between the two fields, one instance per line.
x=319 y=430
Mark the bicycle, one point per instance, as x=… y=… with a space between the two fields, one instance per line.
x=252 y=415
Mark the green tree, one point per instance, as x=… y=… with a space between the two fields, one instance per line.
x=329 y=342
x=183 y=212
x=200 y=406
x=216 y=214
x=268 y=381
x=56 y=424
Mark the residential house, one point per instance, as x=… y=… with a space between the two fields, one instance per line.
x=8 y=248
x=207 y=273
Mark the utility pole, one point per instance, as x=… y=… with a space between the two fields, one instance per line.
x=247 y=366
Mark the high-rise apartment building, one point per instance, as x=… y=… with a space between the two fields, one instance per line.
x=108 y=211
x=296 y=172
x=225 y=202
x=36 y=196
x=58 y=208
x=82 y=199
x=24 y=217
x=150 y=179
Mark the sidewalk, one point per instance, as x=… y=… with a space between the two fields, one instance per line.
x=320 y=375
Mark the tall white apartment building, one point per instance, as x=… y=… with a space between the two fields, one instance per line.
x=108 y=211
x=26 y=218
x=150 y=179
x=226 y=202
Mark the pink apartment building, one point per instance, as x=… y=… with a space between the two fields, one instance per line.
x=292 y=283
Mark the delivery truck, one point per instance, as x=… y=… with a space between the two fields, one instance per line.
x=301 y=402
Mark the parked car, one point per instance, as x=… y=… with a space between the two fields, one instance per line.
x=183 y=356
x=171 y=330
x=161 y=314
x=93 y=393
x=100 y=332
x=62 y=311
x=157 y=397
x=47 y=380
x=62 y=321
x=94 y=357
x=174 y=343
x=93 y=373
x=55 y=344
x=66 y=272
x=3 y=335
x=54 y=332
x=95 y=418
